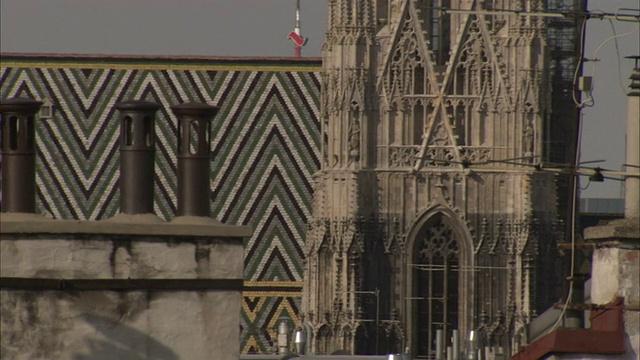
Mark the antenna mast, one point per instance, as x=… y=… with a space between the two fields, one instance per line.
x=298 y=40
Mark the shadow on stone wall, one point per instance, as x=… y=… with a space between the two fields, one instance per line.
x=119 y=341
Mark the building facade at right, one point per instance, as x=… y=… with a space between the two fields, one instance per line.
x=431 y=218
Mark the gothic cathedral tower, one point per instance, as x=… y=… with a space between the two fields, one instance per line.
x=429 y=214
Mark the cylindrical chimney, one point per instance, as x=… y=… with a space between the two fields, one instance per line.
x=19 y=154
x=137 y=150
x=283 y=337
x=194 y=155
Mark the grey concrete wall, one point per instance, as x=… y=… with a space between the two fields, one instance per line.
x=83 y=323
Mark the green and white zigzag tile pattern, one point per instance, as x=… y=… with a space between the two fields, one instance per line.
x=265 y=145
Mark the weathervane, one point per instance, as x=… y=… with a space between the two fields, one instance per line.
x=298 y=40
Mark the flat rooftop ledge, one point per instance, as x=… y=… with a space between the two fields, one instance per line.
x=606 y=336
x=135 y=219
x=574 y=341
x=122 y=224
x=621 y=229
x=195 y=220
x=95 y=61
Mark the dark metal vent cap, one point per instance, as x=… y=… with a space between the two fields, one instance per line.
x=195 y=109
x=137 y=105
x=20 y=105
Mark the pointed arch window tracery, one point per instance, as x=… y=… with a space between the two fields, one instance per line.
x=438 y=27
x=324 y=340
x=325 y=271
x=436 y=284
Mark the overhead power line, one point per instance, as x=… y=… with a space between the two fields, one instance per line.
x=624 y=14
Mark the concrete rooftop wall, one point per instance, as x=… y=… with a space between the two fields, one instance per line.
x=91 y=294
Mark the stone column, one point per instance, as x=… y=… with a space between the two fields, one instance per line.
x=19 y=155
x=194 y=155
x=137 y=155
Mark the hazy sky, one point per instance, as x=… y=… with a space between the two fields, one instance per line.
x=260 y=28
x=604 y=125
x=165 y=27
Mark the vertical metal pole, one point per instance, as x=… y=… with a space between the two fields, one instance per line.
x=439 y=345
x=297 y=47
x=19 y=155
x=455 y=342
x=377 y=320
x=473 y=345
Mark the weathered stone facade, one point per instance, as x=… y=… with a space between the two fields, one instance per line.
x=134 y=287
x=429 y=211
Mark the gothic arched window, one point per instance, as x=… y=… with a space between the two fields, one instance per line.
x=324 y=340
x=437 y=26
x=436 y=282
x=324 y=277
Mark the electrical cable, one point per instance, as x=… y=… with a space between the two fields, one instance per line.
x=579 y=104
x=611 y=38
x=613 y=30
x=613 y=178
x=590 y=102
x=572 y=230
x=595 y=54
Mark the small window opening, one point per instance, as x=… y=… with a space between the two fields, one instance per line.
x=128 y=131
x=193 y=137
x=14 y=130
x=148 y=131
x=207 y=137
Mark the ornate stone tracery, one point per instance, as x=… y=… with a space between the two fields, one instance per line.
x=437 y=269
x=418 y=142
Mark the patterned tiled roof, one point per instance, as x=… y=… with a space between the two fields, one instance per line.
x=265 y=145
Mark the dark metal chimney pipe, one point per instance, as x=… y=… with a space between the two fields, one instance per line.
x=19 y=154
x=137 y=150
x=194 y=155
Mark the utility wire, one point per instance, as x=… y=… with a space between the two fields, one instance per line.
x=590 y=101
x=595 y=54
x=572 y=230
x=613 y=29
x=618 y=15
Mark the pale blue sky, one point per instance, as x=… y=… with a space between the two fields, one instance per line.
x=260 y=28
